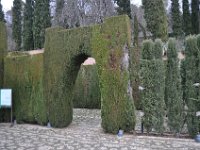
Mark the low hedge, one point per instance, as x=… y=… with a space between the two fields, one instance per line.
x=24 y=74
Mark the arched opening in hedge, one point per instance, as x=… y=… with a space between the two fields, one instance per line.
x=86 y=93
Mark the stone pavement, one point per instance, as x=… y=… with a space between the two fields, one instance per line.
x=84 y=133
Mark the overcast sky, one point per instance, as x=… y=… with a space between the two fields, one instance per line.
x=7 y=4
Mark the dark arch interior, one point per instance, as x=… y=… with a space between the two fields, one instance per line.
x=78 y=60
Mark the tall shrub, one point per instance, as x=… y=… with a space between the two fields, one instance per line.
x=152 y=79
x=192 y=92
x=173 y=89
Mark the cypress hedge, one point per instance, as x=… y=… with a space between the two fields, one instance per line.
x=192 y=77
x=24 y=74
x=86 y=90
x=65 y=50
x=174 y=100
x=152 y=79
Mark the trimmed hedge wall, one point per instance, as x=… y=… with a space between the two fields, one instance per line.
x=65 y=50
x=86 y=90
x=3 y=46
x=24 y=74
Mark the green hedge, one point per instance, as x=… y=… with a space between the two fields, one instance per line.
x=65 y=50
x=86 y=90
x=24 y=74
x=4 y=113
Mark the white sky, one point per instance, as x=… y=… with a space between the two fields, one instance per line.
x=7 y=4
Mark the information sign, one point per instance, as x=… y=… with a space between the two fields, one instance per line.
x=5 y=98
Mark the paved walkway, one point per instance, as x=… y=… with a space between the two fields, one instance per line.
x=84 y=133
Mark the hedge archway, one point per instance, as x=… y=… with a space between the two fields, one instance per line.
x=65 y=50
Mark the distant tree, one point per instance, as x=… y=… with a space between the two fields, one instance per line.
x=17 y=23
x=1 y=13
x=28 y=42
x=124 y=7
x=186 y=18
x=156 y=19
x=41 y=21
x=173 y=88
x=58 y=12
x=176 y=18
x=75 y=13
x=195 y=16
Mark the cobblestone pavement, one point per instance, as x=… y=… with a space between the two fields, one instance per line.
x=84 y=133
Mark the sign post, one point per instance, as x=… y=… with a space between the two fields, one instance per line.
x=6 y=100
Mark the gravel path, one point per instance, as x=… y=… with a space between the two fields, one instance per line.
x=85 y=133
